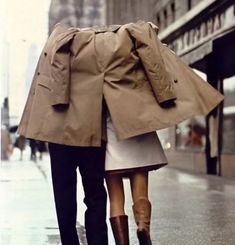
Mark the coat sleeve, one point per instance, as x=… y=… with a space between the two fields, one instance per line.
x=60 y=69
x=146 y=44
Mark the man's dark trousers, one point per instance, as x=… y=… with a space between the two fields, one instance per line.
x=64 y=163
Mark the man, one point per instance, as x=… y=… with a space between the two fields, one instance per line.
x=64 y=162
x=48 y=118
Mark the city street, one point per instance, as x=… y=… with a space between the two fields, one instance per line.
x=187 y=209
x=74 y=72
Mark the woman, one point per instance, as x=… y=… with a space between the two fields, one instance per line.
x=132 y=158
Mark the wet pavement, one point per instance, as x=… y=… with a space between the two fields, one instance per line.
x=187 y=209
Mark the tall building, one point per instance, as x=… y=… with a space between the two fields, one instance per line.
x=77 y=13
x=123 y=11
x=202 y=33
x=4 y=80
x=67 y=12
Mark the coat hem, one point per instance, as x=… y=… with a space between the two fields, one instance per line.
x=93 y=143
x=128 y=171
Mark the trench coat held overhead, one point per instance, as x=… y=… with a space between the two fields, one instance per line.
x=129 y=67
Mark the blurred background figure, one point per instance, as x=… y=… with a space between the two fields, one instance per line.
x=6 y=144
x=41 y=147
x=196 y=136
x=21 y=144
x=33 y=149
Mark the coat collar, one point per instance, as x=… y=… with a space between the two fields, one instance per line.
x=98 y=29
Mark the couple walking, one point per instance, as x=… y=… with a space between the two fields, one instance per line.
x=98 y=96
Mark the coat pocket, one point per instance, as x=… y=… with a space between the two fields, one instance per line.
x=44 y=81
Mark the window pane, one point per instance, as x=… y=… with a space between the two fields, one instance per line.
x=229 y=115
x=164 y=137
x=190 y=134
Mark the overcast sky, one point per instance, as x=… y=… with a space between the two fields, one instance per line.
x=23 y=23
x=25 y=19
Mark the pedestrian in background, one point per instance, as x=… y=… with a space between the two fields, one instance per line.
x=41 y=147
x=21 y=144
x=33 y=149
x=6 y=143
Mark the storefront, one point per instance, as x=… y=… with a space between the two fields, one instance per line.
x=206 y=42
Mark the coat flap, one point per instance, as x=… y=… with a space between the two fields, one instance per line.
x=154 y=26
x=44 y=81
x=62 y=40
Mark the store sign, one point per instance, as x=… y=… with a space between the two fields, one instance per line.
x=204 y=31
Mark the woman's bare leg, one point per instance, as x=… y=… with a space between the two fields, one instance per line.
x=116 y=194
x=139 y=185
x=118 y=219
x=141 y=206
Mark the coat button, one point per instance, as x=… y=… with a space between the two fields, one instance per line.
x=175 y=81
x=45 y=54
x=38 y=73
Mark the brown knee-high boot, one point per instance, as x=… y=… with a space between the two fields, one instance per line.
x=142 y=214
x=119 y=225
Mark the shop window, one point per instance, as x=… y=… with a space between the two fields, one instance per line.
x=189 y=4
x=165 y=17
x=164 y=137
x=190 y=134
x=229 y=115
x=158 y=20
x=173 y=11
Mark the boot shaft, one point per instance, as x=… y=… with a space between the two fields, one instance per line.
x=142 y=214
x=119 y=225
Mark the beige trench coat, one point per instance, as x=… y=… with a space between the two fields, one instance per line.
x=128 y=67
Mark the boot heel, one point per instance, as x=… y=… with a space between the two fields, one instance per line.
x=144 y=237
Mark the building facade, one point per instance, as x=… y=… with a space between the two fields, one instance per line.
x=77 y=13
x=121 y=12
x=202 y=33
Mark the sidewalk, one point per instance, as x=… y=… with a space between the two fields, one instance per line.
x=26 y=207
x=187 y=209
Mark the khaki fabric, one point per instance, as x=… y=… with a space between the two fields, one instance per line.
x=125 y=66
